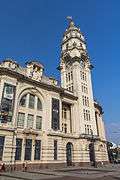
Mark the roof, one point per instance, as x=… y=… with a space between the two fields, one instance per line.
x=37 y=63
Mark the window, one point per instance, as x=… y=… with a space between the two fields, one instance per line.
x=65 y=127
x=85 y=101
x=20 y=120
x=83 y=76
x=62 y=127
x=84 y=112
x=18 y=149
x=84 y=88
x=31 y=101
x=69 y=76
x=23 y=101
x=8 y=89
x=55 y=114
x=66 y=78
x=7 y=103
x=38 y=122
x=86 y=115
x=65 y=113
x=88 y=129
x=39 y=104
x=30 y=120
x=55 y=149
x=28 y=149
x=67 y=46
x=37 y=149
x=2 y=139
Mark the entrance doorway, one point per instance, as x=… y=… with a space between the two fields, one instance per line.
x=92 y=154
x=69 y=149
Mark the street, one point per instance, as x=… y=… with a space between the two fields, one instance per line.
x=110 y=172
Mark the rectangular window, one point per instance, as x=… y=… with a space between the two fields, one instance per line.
x=66 y=78
x=2 y=139
x=55 y=149
x=71 y=75
x=65 y=113
x=7 y=103
x=30 y=121
x=31 y=101
x=38 y=122
x=55 y=114
x=65 y=127
x=8 y=91
x=37 y=149
x=83 y=99
x=20 y=120
x=18 y=149
x=28 y=149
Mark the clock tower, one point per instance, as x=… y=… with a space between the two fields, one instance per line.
x=75 y=70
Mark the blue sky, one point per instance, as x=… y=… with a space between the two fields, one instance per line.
x=33 y=29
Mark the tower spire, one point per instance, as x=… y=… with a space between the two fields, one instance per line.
x=70 y=20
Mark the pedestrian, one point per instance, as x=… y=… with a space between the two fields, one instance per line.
x=3 y=167
x=25 y=166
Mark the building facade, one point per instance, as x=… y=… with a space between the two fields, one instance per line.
x=46 y=124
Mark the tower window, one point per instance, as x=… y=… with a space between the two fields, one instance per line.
x=69 y=76
x=67 y=46
x=87 y=129
x=85 y=101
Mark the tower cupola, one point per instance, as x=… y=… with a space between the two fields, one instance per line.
x=73 y=43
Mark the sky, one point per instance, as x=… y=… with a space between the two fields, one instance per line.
x=33 y=29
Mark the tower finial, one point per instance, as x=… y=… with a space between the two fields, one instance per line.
x=71 y=23
x=69 y=18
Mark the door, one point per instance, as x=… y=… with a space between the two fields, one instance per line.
x=69 y=148
x=92 y=153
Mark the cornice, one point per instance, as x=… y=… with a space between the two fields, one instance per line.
x=21 y=77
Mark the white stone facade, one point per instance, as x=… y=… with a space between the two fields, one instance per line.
x=62 y=122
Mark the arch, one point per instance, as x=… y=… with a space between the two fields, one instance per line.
x=69 y=153
x=33 y=117
x=33 y=91
x=23 y=99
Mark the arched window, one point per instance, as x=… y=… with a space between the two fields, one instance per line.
x=39 y=104
x=32 y=100
x=23 y=101
x=30 y=112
